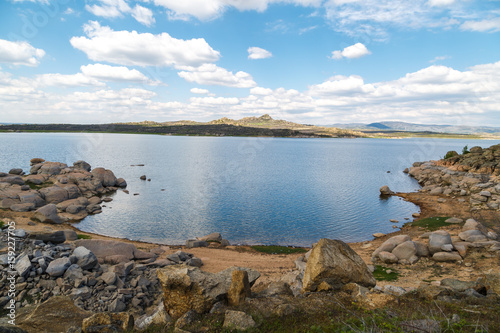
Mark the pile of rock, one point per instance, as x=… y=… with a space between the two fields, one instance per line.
x=74 y=191
x=470 y=176
x=442 y=247
x=214 y=239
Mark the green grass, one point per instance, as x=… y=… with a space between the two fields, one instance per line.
x=276 y=249
x=431 y=223
x=381 y=274
x=37 y=187
x=81 y=236
x=2 y=224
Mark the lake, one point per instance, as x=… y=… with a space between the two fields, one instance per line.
x=282 y=191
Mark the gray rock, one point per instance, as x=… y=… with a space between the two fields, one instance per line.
x=33 y=198
x=86 y=259
x=23 y=265
x=195 y=262
x=437 y=239
x=48 y=214
x=13 y=180
x=117 y=306
x=390 y=244
x=422 y=249
x=420 y=326
x=472 y=236
x=105 y=248
x=190 y=243
x=447 y=247
x=186 y=319
x=405 y=250
x=436 y=191
x=106 y=176
x=385 y=190
x=21 y=233
x=454 y=220
x=82 y=165
x=73 y=272
x=58 y=267
x=120 y=182
x=22 y=207
x=54 y=194
x=485 y=194
x=16 y=171
x=109 y=278
x=446 y=256
x=213 y=237
x=82 y=293
x=70 y=235
x=472 y=224
x=238 y=320
x=394 y=290
x=56 y=237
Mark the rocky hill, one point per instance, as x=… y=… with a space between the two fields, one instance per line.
x=477 y=160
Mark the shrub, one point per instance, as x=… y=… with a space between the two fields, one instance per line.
x=465 y=150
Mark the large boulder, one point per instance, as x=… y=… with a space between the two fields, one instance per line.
x=473 y=236
x=110 y=248
x=13 y=180
x=239 y=289
x=55 y=237
x=58 y=267
x=332 y=264
x=48 y=214
x=390 y=244
x=385 y=190
x=189 y=288
x=54 y=194
x=82 y=165
x=86 y=259
x=437 y=239
x=107 y=177
x=56 y=314
x=108 y=322
x=405 y=251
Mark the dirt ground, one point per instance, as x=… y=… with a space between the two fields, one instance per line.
x=272 y=267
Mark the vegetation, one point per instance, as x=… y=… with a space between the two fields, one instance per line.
x=431 y=223
x=450 y=154
x=276 y=249
x=82 y=236
x=465 y=150
x=382 y=273
x=2 y=224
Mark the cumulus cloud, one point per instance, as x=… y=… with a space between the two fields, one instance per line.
x=357 y=50
x=73 y=80
x=487 y=25
x=115 y=73
x=441 y=2
x=200 y=91
x=19 y=53
x=116 y=8
x=258 y=53
x=131 y=48
x=211 y=74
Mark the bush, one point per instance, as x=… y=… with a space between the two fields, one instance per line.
x=465 y=150
x=450 y=154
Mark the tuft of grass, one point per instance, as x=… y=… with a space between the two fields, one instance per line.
x=82 y=236
x=381 y=274
x=276 y=249
x=37 y=187
x=2 y=224
x=431 y=223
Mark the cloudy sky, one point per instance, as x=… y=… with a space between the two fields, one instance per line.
x=309 y=61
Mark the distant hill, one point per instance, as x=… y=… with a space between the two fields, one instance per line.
x=410 y=127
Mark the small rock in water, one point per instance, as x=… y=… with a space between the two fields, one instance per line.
x=378 y=235
x=415 y=215
x=394 y=221
x=143 y=177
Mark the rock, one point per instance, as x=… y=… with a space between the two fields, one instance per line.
x=48 y=214
x=36 y=160
x=107 y=177
x=109 y=278
x=143 y=177
x=239 y=289
x=73 y=272
x=458 y=285
x=82 y=165
x=70 y=235
x=437 y=239
x=213 y=237
x=492 y=282
x=23 y=265
x=378 y=235
x=335 y=263
x=486 y=194
x=58 y=267
x=120 y=182
x=54 y=194
x=159 y=317
x=472 y=236
x=454 y=220
x=415 y=215
x=446 y=257
x=108 y=322
x=117 y=306
x=11 y=329
x=55 y=237
x=32 y=197
x=405 y=251
x=390 y=244
x=385 y=190
x=388 y=258
x=476 y=150
x=13 y=180
x=422 y=249
x=80 y=293
x=195 y=262
x=22 y=207
x=54 y=315
x=86 y=259
x=238 y=320
x=189 y=288
x=394 y=290
x=472 y=224
x=277 y=288
x=51 y=168
x=16 y=171
x=190 y=243
x=106 y=248
x=447 y=247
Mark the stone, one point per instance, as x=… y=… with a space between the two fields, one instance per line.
x=405 y=251
x=447 y=247
x=70 y=235
x=105 y=248
x=213 y=237
x=239 y=289
x=106 y=176
x=238 y=320
x=55 y=237
x=48 y=214
x=454 y=220
x=422 y=249
x=81 y=293
x=472 y=224
x=82 y=165
x=472 y=236
x=437 y=239
x=492 y=282
x=110 y=278
x=54 y=315
x=394 y=290
x=378 y=235
x=390 y=244
x=22 y=207
x=143 y=177
x=159 y=318
x=36 y=160
x=277 y=288
x=58 y=267
x=189 y=288
x=73 y=272
x=33 y=198
x=385 y=190
x=446 y=256
x=486 y=194
x=388 y=258
x=415 y=215
x=13 y=180
x=86 y=259
x=16 y=171
x=190 y=243
x=54 y=194
x=195 y=262
x=108 y=322
x=458 y=285
x=117 y=306
x=186 y=319
x=23 y=265
x=335 y=263
x=436 y=191
x=120 y=182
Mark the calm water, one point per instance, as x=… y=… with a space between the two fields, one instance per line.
x=252 y=190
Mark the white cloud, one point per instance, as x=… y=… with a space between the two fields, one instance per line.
x=114 y=73
x=143 y=15
x=258 y=53
x=73 y=80
x=210 y=74
x=437 y=3
x=131 y=48
x=439 y=58
x=487 y=25
x=19 y=53
x=200 y=91
x=357 y=50
x=116 y=8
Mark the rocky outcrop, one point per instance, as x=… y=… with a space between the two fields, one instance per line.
x=108 y=322
x=332 y=264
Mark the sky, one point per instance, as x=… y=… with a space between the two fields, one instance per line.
x=309 y=61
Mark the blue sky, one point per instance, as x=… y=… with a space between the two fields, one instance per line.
x=309 y=61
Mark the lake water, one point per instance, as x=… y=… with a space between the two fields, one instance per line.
x=253 y=190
